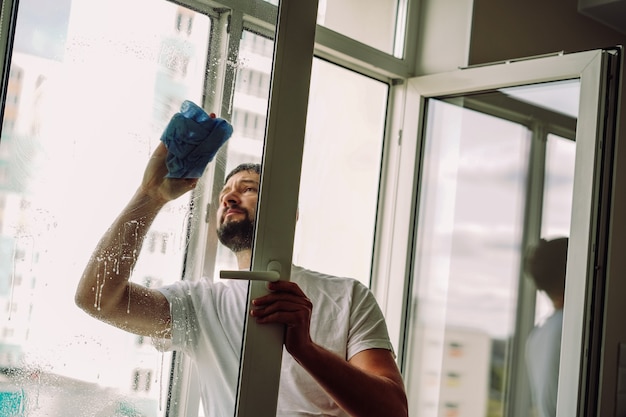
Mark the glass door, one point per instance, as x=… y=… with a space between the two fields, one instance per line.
x=508 y=155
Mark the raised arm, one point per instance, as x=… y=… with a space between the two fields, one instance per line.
x=104 y=290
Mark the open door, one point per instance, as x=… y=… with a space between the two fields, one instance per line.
x=508 y=154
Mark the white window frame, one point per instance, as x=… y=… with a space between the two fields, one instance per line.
x=589 y=204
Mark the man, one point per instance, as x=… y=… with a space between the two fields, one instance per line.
x=339 y=360
x=546 y=265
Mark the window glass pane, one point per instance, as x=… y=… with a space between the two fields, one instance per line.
x=372 y=22
x=557 y=202
x=340 y=172
x=559 y=186
x=561 y=97
x=376 y=23
x=249 y=117
x=249 y=113
x=93 y=84
x=471 y=339
x=556 y=219
x=467 y=261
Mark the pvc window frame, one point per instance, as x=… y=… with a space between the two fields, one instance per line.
x=588 y=213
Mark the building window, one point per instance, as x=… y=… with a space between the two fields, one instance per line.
x=142 y=380
x=455 y=349
x=453 y=379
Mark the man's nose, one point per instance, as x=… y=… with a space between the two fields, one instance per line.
x=230 y=198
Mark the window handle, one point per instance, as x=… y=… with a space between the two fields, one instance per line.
x=271 y=275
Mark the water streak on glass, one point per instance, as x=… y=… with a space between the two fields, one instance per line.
x=91 y=88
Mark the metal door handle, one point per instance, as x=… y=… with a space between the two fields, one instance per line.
x=271 y=275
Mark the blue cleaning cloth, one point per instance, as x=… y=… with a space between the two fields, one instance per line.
x=192 y=138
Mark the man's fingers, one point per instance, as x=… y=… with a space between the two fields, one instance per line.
x=281 y=305
x=281 y=302
x=274 y=297
x=286 y=304
x=285 y=286
x=284 y=313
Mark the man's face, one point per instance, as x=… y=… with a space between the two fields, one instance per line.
x=237 y=211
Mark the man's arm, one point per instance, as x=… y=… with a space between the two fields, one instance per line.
x=104 y=290
x=369 y=384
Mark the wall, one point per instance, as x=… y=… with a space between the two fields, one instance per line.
x=506 y=29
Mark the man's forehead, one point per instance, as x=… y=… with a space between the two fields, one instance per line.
x=243 y=176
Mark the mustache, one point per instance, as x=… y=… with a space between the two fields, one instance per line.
x=234 y=207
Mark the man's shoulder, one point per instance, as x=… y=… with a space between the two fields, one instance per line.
x=548 y=332
x=322 y=287
x=302 y=276
x=553 y=323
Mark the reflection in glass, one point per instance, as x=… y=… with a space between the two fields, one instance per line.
x=83 y=115
x=466 y=259
x=560 y=97
x=557 y=201
x=249 y=113
x=559 y=186
x=340 y=172
x=249 y=116
x=473 y=218
x=375 y=23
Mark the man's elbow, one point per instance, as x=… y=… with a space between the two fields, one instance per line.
x=398 y=399
x=403 y=406
x=85 y=300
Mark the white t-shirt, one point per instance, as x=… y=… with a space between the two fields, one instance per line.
x=543 y=352
x=207 y=324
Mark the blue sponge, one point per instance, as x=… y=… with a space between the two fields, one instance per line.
x=192 y=138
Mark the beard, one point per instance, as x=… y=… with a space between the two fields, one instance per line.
x=237 y=235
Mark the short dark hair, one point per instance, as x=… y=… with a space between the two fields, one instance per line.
x=247 y=166
x=546 y=264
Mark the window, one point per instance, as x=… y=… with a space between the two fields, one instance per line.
x=481 y=193
x=142 y=380
x=379 y=24
x=375 y=23
x=99 y=114
x=119 y=84
x=341 y=165
x=557 y=207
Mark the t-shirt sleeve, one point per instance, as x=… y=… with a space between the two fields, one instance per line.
x=368 y=329
x=184 y=318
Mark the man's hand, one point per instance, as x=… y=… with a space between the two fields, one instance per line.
x=156 y=185
x=287 y=305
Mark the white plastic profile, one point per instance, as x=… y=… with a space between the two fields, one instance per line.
x=262 y=347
